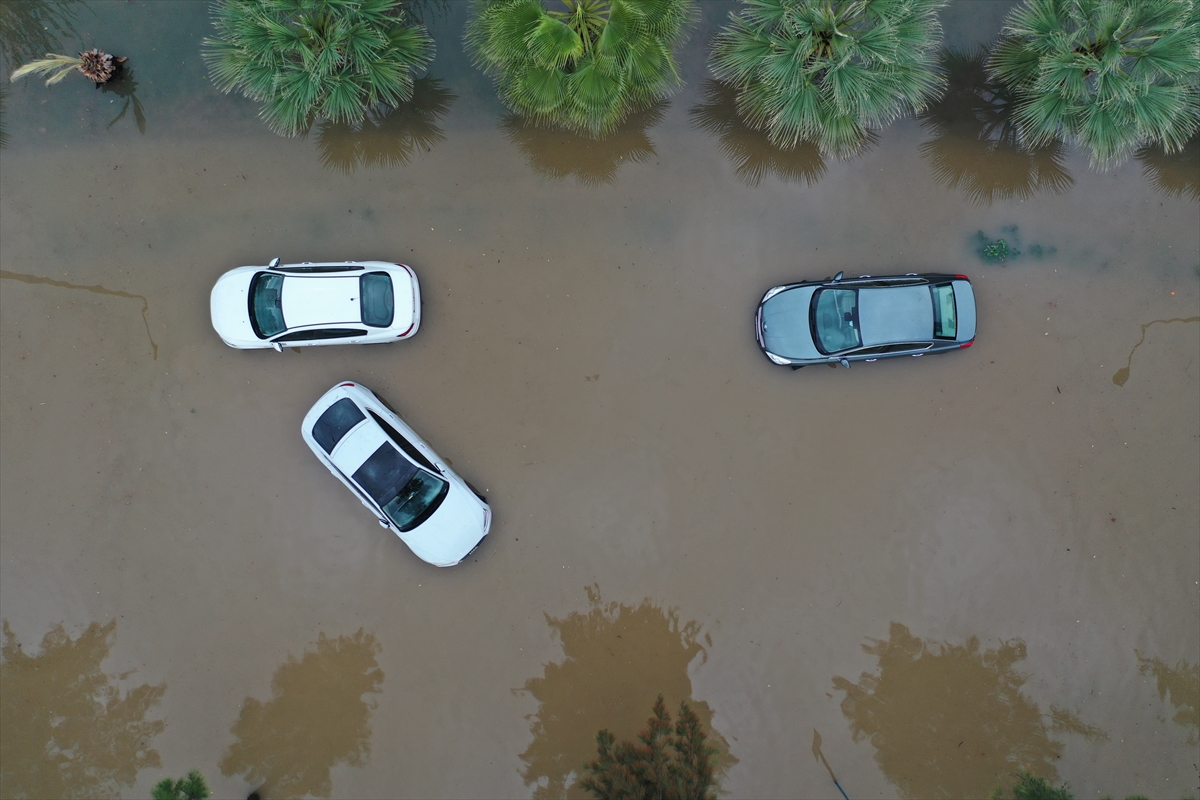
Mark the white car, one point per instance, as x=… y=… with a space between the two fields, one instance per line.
x=395 y=474
x=299 y=305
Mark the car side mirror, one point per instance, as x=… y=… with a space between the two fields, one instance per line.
x=836 y=278
x=382 y=523
x=844 y=363
x=277 y=347
x=274 y=262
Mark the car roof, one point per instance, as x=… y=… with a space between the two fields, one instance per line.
x=320 y=300
x=895 y=314
x=357 y=446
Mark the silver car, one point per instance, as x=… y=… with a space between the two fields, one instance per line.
x=839 y=319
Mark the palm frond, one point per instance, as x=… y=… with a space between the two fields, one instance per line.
x=54 y=63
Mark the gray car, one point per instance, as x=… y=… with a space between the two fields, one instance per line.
x=839 y=319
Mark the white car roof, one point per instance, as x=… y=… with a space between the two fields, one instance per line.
x=310 y=300
x=357 y=446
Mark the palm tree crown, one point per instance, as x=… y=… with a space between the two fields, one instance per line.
x=1110 y=75
x=828 y=71
x=315 y=58
x=584 y=65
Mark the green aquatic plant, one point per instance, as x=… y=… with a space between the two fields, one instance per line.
x=193 y=787
x=1108 y=75
x=1001 y=250
x=583 y=65
x=304 y=59
x=829 y=71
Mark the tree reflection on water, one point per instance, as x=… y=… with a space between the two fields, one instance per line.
x=753 y=154
x=1181 y=685
x=947 y=720
x=31 y=28
x=65 y=729
x=557 y=153
x=387 y=137
x=1173 y=174
x=316 y=719
x=974 y=146
x=617 y=659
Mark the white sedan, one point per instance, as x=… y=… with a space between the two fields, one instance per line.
x=299 y=305
x=396 y=475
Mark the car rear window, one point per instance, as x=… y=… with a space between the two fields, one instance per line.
x=835 y=320
x=384 y=473
x=945 y=316
x=375 y=295
x=266 y=304
x=336 y=422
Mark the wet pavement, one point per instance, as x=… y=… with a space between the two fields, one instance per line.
x=997 y=547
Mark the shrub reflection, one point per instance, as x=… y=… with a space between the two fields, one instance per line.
x=387 y=137
x=316 y=719
x=753 y=155
x=975 y=148
x=617 y=659
x=1181 y=686
x=949 y=720
x=65 y=729
x=557 y=153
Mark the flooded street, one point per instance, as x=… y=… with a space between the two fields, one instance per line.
x=928 y=573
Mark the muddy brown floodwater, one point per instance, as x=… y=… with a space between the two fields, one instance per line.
x=928 y=573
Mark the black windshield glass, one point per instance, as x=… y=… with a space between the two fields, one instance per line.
x=835 y=319
x=419 y=498
x=375 y=293
x=336 y=422
x=266 y=304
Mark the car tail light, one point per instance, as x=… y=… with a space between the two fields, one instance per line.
x=407 y=331
x=966 y=344
x=340 y=385
x=962 y=277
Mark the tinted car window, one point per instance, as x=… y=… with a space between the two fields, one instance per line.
x=266 y=304
x=835 y=319
x=410 y=450
x=945 y=316
x=337 y=268
x=323 y=333
x=384 y=473
x=417 y=500
x=336 y=422
x=375 y=296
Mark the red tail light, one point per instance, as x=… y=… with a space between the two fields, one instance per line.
x=966 y=344
x=962 y=277
x=407 y=331
x=340 y=385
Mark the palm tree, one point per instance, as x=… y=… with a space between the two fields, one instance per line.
x=975 y=146
x=828 y=71
x=584 y=65
x=304 y=59
x=1109 y=75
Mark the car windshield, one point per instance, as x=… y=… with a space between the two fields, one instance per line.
x=835 y=320
x=336 y=422
x=417 y=500
x=266 y=304
x=378 y=304
x=945 y=317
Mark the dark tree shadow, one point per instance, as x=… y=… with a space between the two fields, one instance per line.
x=387 y=137
x=753 y=155
x=1173 y=174
x=316 y=719
x=617 y=660
x=949 y=721
x=975 y=149
x=124 y=86
x=1181 y=686
x=556 y=153
x=31 y=28
x=426 y=12
x=65 y=729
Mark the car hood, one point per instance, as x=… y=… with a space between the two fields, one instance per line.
x=785 y=330
x=452 y=531
x=230 y=311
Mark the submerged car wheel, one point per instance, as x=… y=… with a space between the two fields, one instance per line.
x=798 y=366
